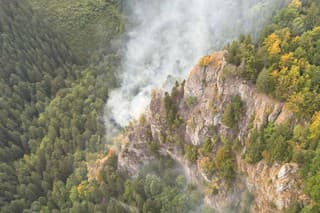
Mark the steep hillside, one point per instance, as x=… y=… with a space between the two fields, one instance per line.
x=210 y=147
x=245 y=120
x=87 y=25
x=240 y=134
x=50 y=112
x=35 y=64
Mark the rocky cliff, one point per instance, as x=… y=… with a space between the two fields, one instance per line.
x=199 y=104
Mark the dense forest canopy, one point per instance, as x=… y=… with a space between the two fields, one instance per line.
x=88 y=25
x=54 y=82
x=285 y=65
x=51 y=103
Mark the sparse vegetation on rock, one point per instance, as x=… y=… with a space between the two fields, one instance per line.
x=233 y=112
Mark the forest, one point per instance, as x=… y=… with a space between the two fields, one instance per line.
x=51 y=101
x=284 y=64
x=55 y=78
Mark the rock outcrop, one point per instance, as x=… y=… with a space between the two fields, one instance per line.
x=201 y=101
x=134 y=152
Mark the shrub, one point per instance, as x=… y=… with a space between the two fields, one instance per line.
x=206 y=147
x=271 y=142
x=232 y=113
x=279 y=149
x=312 y=187
x=244 y=51
x=255 y=147
x=207 y=165
x=224 y=163
x=206 y=60
x=172 y=115
x=191 y=101
x=234 y=53
x=294 y=207
x=265 y=83
x=278 y=143
x=191 y=152
x=153 y=148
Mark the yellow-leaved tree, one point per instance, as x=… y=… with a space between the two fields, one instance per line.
x=315 y=126
x=295 y=4
x=272 y=42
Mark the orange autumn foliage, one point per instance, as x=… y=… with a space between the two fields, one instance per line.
x=206 y=60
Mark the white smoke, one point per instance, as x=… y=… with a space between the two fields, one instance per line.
x=166 y=39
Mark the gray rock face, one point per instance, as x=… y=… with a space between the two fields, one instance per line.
x=134 y=152
x=213 y=89
x=285 y=170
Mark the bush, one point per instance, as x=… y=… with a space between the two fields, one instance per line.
x=294 y=207
x=255 y=147
x=265 y=82
x=191 y=152
x=234 y=53
x=207 y=165
x=224 y=163
x=232 y=113
x=191 y=101
x=206 y=60
x=312 y=187
x=172 y=115
x=153 y=148
x=271 y=142
x=278 y=143
x=279 y=149
x=206 y=147
x=244 y=51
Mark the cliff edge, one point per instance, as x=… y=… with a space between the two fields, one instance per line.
x=192 y=117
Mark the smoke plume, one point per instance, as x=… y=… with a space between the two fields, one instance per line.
x=167 y=37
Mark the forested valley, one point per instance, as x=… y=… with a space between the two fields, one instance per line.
x=59 y=60
x=53 y=90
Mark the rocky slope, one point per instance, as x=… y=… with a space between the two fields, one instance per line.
x=200 y=102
